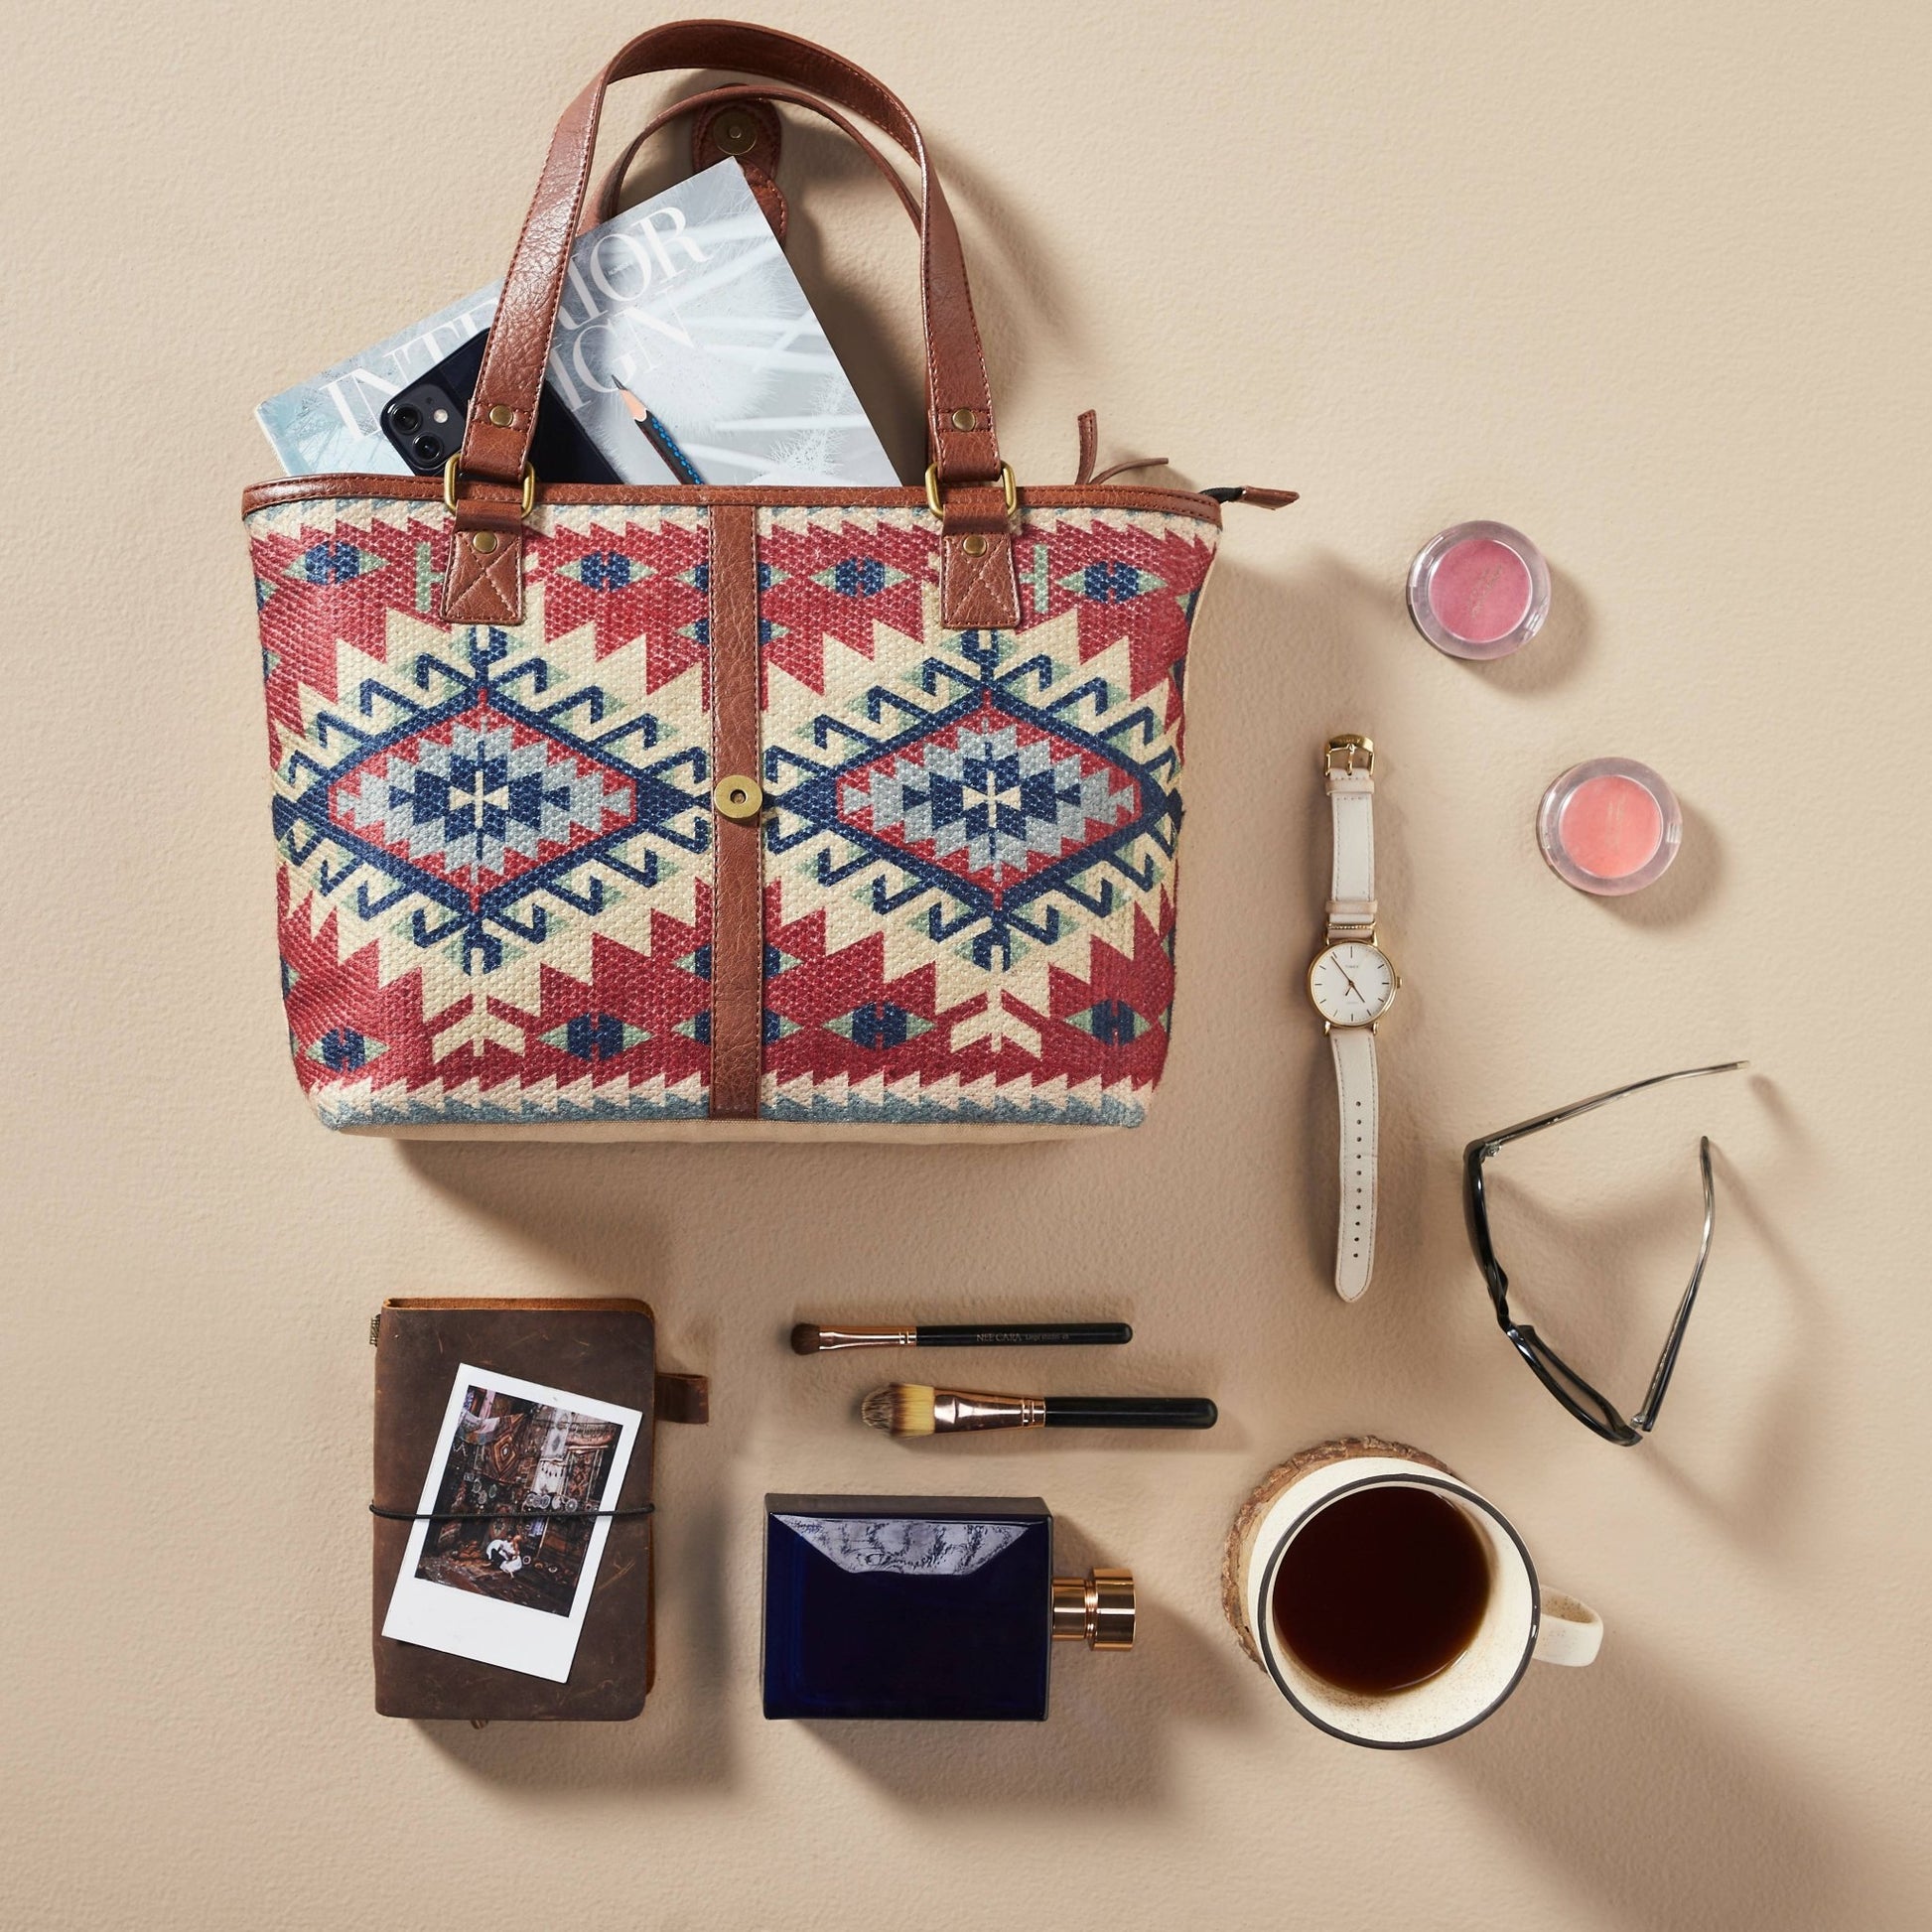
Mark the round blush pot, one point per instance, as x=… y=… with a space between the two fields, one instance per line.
x=1479 y=590
x=1610 y=826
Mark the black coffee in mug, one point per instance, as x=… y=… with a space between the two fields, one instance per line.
x=1382 y=1589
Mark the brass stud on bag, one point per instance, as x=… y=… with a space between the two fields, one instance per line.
x=739 y=798
x=964 y=419
x=486 y=541
x=974 y=545
x=734 y=133
x=503 y=416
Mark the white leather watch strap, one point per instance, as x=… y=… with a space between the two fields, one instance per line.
x=1355 y=1049
x=1351 y=915
x=1351 y=888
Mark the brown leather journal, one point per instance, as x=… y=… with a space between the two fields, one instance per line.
x=604 y=1349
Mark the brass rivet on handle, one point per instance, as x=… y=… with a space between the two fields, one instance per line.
x=486 y=541
x=734 y=133
x=974 y=545
x=964 y=419
x=739 y=797
x=503 y=415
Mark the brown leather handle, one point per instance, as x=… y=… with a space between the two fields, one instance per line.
x=602 y=205
x=502 y=410
x=759 y=158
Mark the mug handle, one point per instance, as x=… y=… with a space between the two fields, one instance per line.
x=1569 y=1632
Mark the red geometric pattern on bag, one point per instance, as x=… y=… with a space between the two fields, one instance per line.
x=643 y=1015
x=1114 y=1022
x=482 y=797
x=342 y=1018
x=1136 y=584
x=648 y=581
x=322 y=589
x=836 y=1012
x=992 y=798
x=825 y=587
x=910 y=976
x=833 y=1011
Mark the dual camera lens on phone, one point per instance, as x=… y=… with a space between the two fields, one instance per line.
x=407 y=422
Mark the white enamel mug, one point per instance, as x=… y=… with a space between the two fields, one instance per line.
x=1522 y=1620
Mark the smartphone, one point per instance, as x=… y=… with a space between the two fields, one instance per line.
x=424 y=424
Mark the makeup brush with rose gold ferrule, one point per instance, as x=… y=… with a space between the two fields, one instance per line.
x=913 y=1409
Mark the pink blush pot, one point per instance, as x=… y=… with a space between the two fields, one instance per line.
x=1610 y=826
x=1478 y=590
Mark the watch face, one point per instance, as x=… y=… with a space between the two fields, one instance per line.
x=1352 y=984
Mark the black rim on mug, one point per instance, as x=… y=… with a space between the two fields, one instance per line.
x=1264 y=1636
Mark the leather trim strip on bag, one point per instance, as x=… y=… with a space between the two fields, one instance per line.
x=737 y=885
x=385 y=488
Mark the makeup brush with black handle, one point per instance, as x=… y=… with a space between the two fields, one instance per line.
x=812 y=1338
x=913 y=1409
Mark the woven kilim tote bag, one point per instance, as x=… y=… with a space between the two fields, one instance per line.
x=630 y=810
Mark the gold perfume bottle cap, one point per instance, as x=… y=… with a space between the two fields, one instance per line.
x=1096 y=1609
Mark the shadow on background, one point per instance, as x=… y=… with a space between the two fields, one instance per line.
x=1687 y=888
x=1106 y=1743
x=1555 y=654
x=1337 y=620
x=1783 y=1457
x=682 y=1741
x=1655 y=1801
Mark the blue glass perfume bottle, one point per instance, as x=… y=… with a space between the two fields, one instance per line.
x=924 y=1606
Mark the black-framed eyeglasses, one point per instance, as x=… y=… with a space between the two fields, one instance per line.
x=1591 y=1408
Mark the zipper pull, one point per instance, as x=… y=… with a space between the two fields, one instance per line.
x=1262 y=499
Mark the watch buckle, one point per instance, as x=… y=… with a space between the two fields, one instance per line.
x=1353 y=750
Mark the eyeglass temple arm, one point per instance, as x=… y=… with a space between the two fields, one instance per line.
x=1504 y=1136
x=1646 y=1416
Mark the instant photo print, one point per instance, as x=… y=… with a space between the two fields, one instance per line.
x=510 y=1527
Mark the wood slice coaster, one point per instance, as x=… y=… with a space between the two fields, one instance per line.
x=1270 y=1486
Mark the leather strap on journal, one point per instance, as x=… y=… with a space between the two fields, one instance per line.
x=978 y=587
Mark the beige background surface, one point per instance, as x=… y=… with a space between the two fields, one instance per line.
x=1650 y=281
